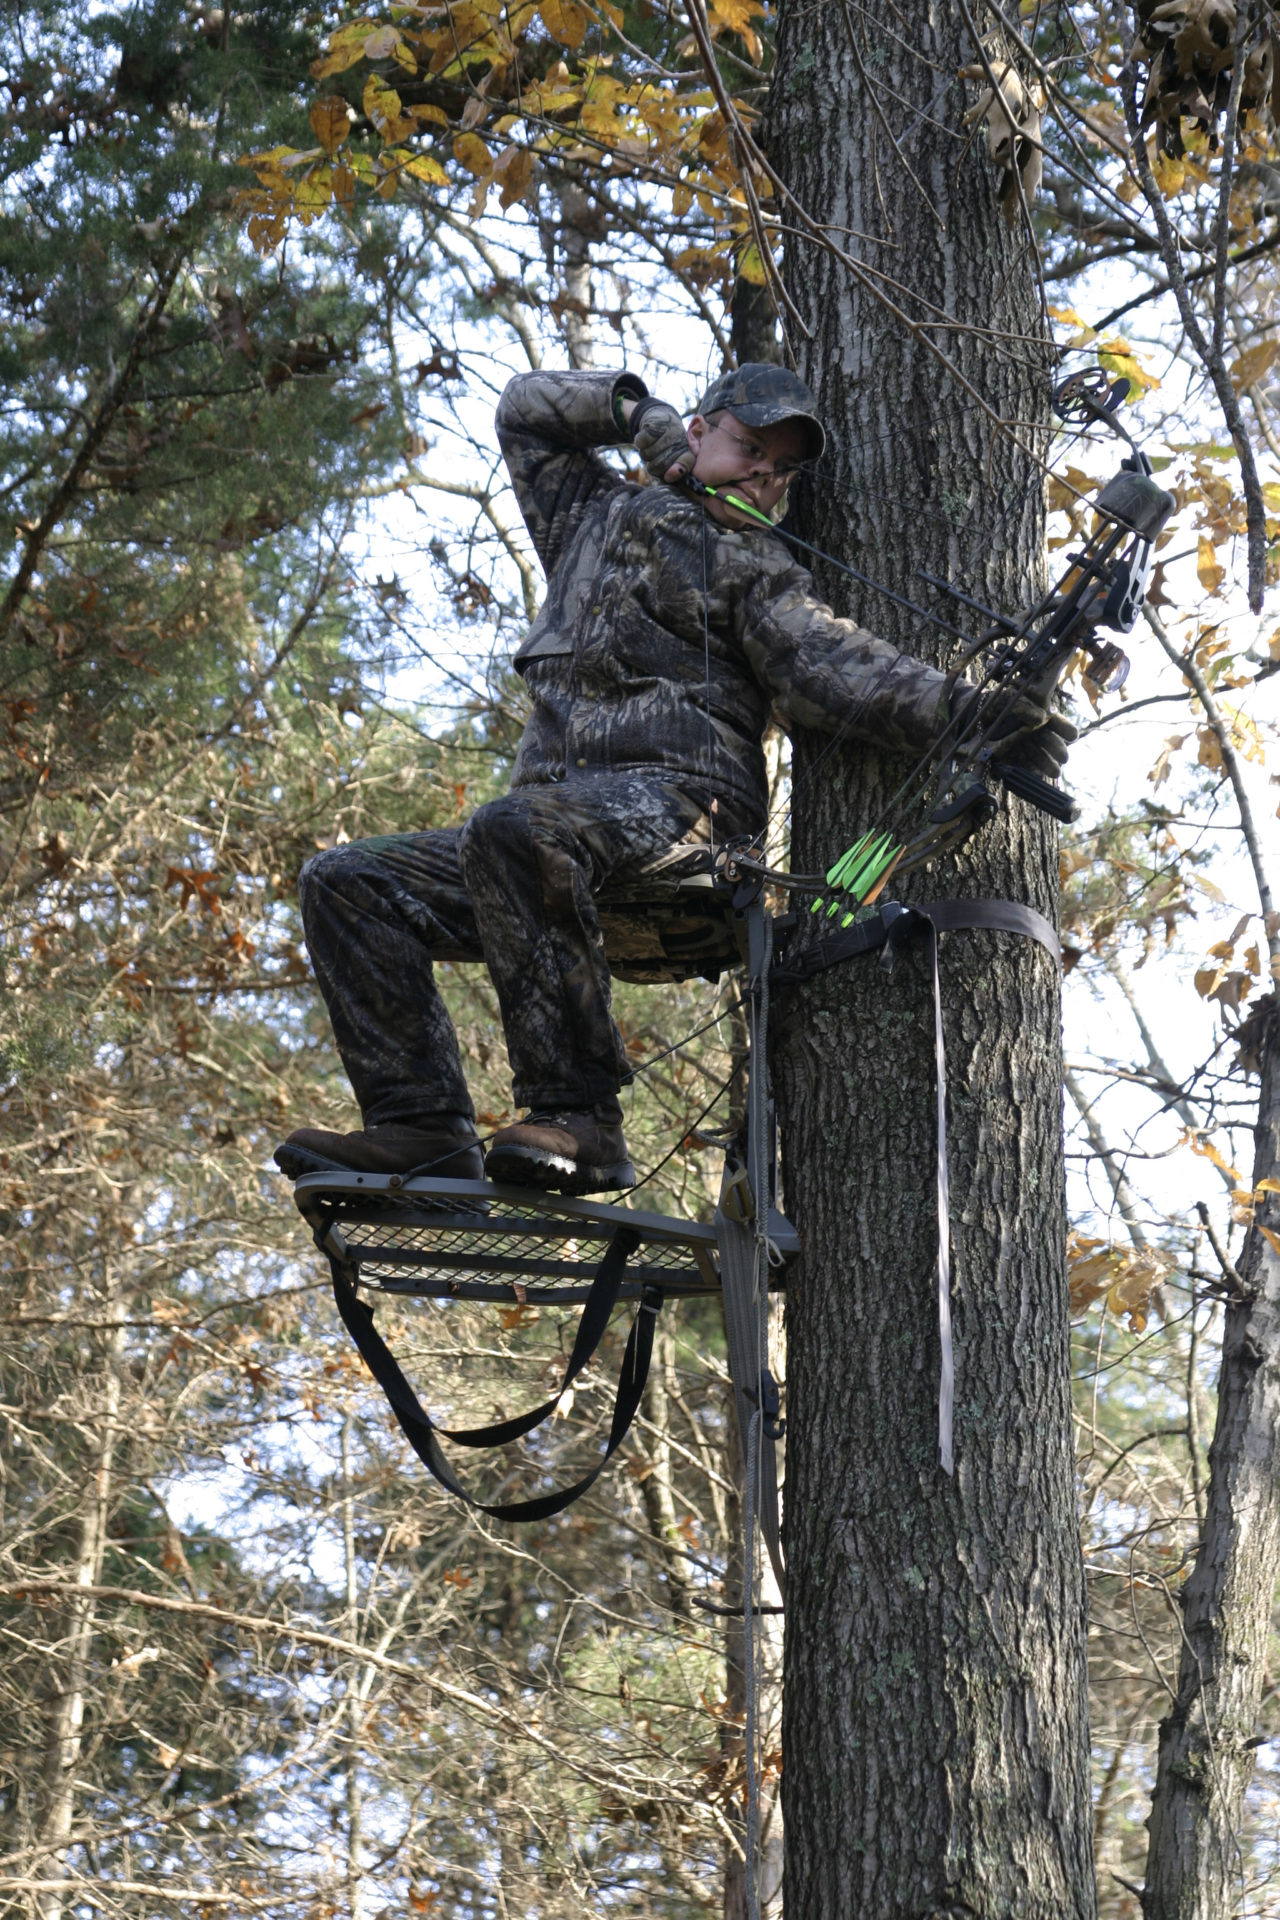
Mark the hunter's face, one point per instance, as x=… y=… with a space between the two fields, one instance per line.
x=757 y=462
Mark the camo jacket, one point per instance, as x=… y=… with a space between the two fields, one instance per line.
x=665 y=640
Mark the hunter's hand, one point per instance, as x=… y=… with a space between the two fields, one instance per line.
x=1029 y=735
x=659 y=437
x=1024 y=733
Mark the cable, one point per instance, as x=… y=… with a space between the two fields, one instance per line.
x=716 y=1097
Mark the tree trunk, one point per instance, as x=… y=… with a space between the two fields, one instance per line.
x=657 y=1488
x=753 y=320
x=354 y=1704
x=66 y=1721
x=935 y=1708
x=579 y=226
x=764 y=1871
x=1207 y=1751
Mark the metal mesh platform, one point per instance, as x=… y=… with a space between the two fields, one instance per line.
x=468 y=1240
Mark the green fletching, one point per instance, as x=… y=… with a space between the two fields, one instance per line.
x=862 y=864
x=857 y=871
x=836 y=874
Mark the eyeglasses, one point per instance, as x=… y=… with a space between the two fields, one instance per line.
x=755 y=452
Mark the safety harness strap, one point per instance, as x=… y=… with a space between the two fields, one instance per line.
x=894 y=923
x=424 y=1435
x=885 y=932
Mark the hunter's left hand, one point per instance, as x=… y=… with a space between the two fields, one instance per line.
x=658 y=435
x=1029 y=735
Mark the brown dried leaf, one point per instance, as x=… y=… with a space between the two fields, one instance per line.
x=330 y=122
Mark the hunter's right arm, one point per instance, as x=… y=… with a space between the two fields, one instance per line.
x=549 y=425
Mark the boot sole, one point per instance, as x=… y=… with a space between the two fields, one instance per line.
x=295 y=1162
x=553 y=1173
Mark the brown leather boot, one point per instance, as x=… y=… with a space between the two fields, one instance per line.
x=562 y=1153
x=444 y=1146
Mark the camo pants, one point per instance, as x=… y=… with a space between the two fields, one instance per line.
x=513 y=887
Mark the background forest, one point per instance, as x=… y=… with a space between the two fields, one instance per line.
x=263 y=274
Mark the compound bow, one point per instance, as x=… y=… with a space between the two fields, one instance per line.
x=1103 y=587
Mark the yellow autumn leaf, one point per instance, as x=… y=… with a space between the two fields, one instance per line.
x=1117 y=356
x=1207 y=1151
x=733 y=16
x=1160 y=772
x=312 y=193
x=270 y=159
x=1208 y=887
x=1245 y=735
x=1210 y=754
x=751 y=267
x=1253 y=363
x=344 y=186
x=346 y=49
x=471 y=152
x=436 y=115
x=1170 y=174
x=330 y=122
x=1126 y=1278
x=424 y=167
x=565 y=21
x=382 y=105
x=682 y=200
x=1208 y=571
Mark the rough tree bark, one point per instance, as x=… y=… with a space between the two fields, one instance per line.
x=1207 y=1743
x=935 y=1708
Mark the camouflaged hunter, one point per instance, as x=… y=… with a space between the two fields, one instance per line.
x=666 y=640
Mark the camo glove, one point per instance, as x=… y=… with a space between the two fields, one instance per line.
x=659 y=437
x=1024 y=733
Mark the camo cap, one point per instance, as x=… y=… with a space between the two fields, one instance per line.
x=761 y=395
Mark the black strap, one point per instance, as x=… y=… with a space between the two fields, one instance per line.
x=997 y=916
x=421 y=1431
x=895 y=923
